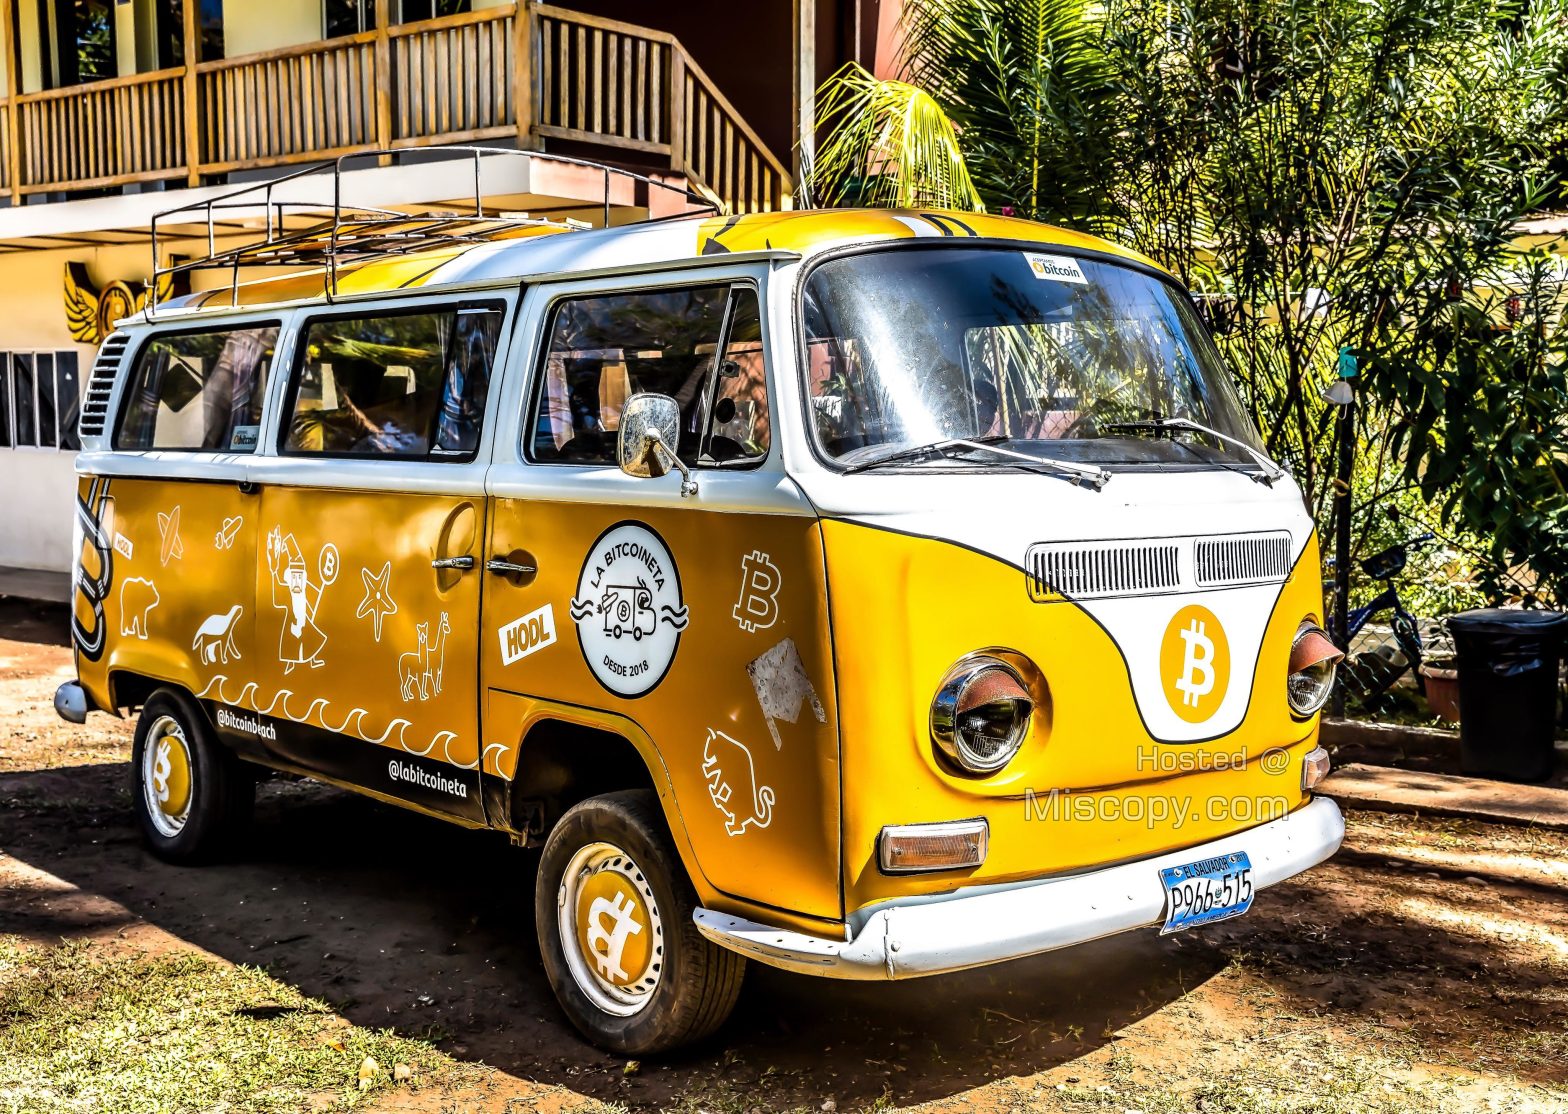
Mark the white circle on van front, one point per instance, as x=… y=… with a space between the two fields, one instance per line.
x=628 y=609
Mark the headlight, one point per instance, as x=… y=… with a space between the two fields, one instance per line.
x=980 y=715
x=1312 y=661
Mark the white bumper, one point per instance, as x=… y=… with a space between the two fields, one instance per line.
x=968 y=928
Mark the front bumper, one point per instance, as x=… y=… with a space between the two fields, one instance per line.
x=969 y=928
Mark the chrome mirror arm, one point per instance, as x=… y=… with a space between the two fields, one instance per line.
x=652 y=440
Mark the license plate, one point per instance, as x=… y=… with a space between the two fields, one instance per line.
x=1206 y=891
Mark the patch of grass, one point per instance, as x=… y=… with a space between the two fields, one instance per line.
x=1293 y=1072
x=81 y=1030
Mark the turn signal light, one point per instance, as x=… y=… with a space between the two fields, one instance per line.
x=912 y=848
x=1314 y=768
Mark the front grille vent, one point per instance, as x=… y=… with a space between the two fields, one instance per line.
x=1104 y=569
x=100 y=385
x=1243 y=559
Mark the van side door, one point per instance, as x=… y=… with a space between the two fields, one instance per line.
x=372 y=519
x=694 y=625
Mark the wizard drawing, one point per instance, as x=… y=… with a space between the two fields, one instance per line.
x=301 y=641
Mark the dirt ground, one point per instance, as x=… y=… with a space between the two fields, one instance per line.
x=1424 y=968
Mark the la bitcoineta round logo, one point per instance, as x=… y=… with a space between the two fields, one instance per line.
x=628 y=609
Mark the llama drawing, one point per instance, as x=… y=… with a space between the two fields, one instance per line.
x=419 y=672
x=435 y=657
x=215 y=637
x=411 y=666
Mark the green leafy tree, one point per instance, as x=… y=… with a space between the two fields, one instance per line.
x=1323 y=173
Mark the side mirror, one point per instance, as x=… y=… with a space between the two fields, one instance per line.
x=645 y=446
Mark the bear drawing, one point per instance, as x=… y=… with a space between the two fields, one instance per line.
x=137 y=598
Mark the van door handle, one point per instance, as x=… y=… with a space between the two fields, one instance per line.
x=465 y=563
x=248 y=487
x=509 y=568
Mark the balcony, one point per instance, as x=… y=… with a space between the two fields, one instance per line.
x=525 y=73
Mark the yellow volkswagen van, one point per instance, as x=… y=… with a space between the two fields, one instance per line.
x=868 y=594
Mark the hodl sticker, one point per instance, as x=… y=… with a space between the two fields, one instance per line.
x=531 y=633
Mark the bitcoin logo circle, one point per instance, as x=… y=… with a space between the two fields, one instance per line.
x=171 y=776
x=612 y=927
x=1194 y=663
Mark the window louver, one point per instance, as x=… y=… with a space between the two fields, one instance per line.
x=1242 y=560
x=100 y=385
x=1054 y=571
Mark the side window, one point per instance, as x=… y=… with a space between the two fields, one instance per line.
x=700 y=345
x=200 y=391
x=409 y=386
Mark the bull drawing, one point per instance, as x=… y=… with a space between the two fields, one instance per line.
x=732 y=783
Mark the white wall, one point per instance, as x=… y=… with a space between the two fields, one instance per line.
x=36 y=528
x=257 y=25
x=40 y=484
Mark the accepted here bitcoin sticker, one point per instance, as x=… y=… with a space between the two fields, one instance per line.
x=1194 y=663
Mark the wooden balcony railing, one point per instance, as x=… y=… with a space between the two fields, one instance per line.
x=525 y=71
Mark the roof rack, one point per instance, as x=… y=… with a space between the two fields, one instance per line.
x=344 y=233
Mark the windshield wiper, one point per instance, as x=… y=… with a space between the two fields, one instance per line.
x=1088 y=475
x=917 y=452
x=1271 y=470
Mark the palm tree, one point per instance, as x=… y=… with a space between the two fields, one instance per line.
x=890 y=145
x=1007 y=105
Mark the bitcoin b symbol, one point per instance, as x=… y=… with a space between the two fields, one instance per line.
x=162 y=770
x=329 y=564
x=1194 y=663
x=758 y=606
x=608 y=945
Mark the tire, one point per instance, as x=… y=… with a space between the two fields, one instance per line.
x=192 y=796
x=635 y=991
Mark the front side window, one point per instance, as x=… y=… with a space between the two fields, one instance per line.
x=1046 y=354
x=700 y=345
x=199 y=391
x=408 y=386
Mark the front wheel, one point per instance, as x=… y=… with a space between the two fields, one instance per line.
x=613 y=911
x=192 y=796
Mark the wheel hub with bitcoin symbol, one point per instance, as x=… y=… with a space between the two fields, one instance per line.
x=166 y=775
x=610 y=929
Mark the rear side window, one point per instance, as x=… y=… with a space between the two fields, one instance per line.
x=199 y=391
x=408 y=386
x=700 y=345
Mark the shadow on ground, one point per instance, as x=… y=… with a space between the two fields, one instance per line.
x=406 y=922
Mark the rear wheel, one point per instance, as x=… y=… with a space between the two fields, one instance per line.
x=192 y=796
x=613 y=910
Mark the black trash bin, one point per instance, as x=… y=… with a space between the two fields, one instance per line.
x=1507 y=691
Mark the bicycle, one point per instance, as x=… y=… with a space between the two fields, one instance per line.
x=1371 y=673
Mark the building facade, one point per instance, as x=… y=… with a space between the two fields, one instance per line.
x=116 y=110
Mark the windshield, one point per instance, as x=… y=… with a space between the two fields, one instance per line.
x=1044 y=353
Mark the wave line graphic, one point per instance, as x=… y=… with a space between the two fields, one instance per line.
x=676 y=618
x=342 y=729
x=396 y=732
x=283 y=695
x=388 y=733
x=502 y=747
